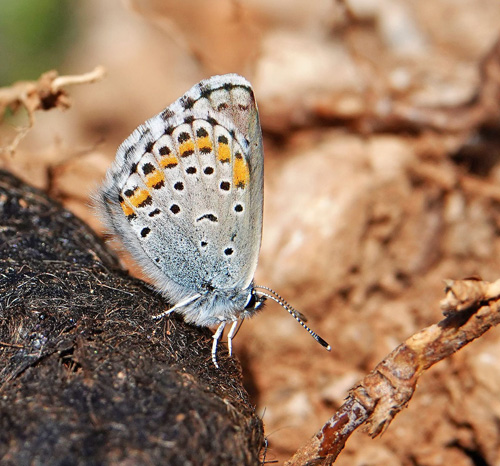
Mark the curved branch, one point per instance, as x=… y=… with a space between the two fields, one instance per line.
x=471 y=308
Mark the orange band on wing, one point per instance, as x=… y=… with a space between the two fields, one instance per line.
x=169 y=161
x=223 y=153
x=127 y=210
x=140 y=198
x=204 y=144
x=241 y=173
x=155 y=179
x=186 y=148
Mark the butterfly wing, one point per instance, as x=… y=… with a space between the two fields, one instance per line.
x=185 y=192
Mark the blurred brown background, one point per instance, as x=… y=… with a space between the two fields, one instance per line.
x=369 y=202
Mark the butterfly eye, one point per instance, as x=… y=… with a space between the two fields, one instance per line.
x=254 y=301
x=251 y=301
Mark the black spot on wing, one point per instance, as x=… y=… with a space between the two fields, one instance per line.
x=145 y=133
x=146 y=202
x=165 y=150
x=187 y=102
x=148 y=168
x=183 y=137
x=154 y=212
x=128 y=152
x=201 y=133
x=212 y=121
x=210 y=217
x=167 y=113
x=130 y=192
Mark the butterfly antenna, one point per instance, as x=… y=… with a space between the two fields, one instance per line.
x=283 y=302
x=293 y=312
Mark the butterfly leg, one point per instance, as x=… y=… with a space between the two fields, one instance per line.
x=177 y=306
x=163 y=314
x=216 y=337
x=230 y=336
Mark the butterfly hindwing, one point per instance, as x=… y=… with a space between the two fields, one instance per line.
x=185 y=192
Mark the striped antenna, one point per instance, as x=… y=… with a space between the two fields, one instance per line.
x=298 y=316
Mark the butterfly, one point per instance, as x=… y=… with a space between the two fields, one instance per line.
x=185 y=196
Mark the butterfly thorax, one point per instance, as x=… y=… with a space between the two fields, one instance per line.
x=221 y=305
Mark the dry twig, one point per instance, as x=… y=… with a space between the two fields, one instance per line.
x=471 y=307
x=44 y=94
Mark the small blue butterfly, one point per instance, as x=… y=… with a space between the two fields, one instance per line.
x=185 y=197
